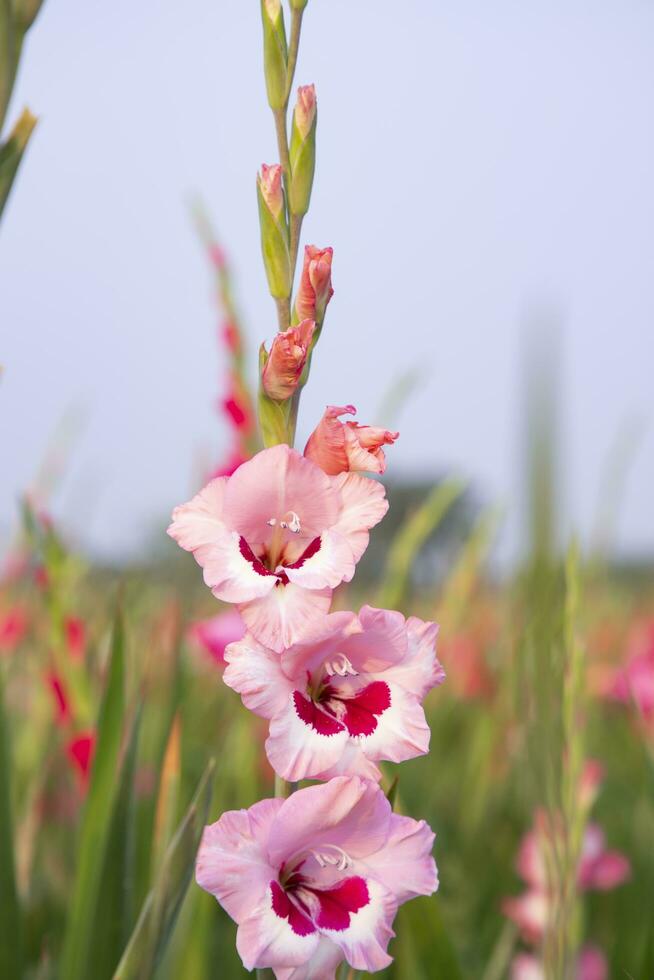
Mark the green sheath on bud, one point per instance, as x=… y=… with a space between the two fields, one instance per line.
x=275 y=57
x=11 y=153
x=275 y=418
x=274 y=246
x=303 y=164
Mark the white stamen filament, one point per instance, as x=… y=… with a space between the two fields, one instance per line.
x=339 y=665
x=333 y=856
x=291 y=522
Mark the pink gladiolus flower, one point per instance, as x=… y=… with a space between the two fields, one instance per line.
x=214 y=635
x=315 y=289
x=13 y=626
x=348 y=694
x=277 y=537
x=288 y=355
x=316 y=878
x=341 y=446
x=270 y=183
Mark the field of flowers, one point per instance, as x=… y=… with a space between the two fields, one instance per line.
x=295 y=697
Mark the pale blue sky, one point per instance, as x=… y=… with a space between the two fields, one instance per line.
x=477 y=159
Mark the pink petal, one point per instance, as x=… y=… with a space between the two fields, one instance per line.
x=329 y=564
x=322 y=965
x=256 y=673
x=232 y=862
x=271 y=484
x=280 y=619
x=349 y=812
x=591 y=964
x=401 y=731
x=363 y=504
x=214 y=635
x=199 y=521
x=304 y=740
x=405 y=864
x=365 y=940
x=266 y=938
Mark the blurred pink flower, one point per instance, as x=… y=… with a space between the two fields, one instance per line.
x=591 y=965
x=80 y=751
x=75 y=634
x=634 y=683
x=13 y=627
x=315 y=289
x=285 y=363
x=213 y=635
x=277 y=536
x=599 y=869
x=61 y=703
x=317 y=878
x=341 y=446
x=349 y=694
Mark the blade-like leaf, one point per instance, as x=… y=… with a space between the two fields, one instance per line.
x=10 y=920
x=168 y=799
x=11 y=153
x=97 y=817
x=7 y=56
x=162 y=905
x=115 y=917
x=410 y=538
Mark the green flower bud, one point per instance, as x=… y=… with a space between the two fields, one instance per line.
x=275 y=417
x=274 y=231
x=303 y=149
x=274 y=52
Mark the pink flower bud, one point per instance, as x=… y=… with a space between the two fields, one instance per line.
x=341 y=446
x=305 y=109
x=288 y=355
x=315 y=289
x=270 y=183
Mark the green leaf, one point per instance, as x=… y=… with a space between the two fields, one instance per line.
x=7 y=56
x=11 y=153
x=423 y=949
x=10 y=918
x=161 y=907
x=97 y=817
x=115 y=917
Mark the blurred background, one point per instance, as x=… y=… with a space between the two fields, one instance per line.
x=484 y=177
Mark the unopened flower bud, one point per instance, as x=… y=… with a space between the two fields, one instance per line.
x=315 y=289
x=274 y=230
x=339 y=447
x=285 y=363
x=298 y=4
x=303 y=149
x=274 y=52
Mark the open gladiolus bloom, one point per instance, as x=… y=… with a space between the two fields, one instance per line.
x=317 y=878
x=348 y=694
x=277 y=537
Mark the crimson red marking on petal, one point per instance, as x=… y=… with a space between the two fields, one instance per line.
x=337 y=903
x=250 y=556
x=308 y=552
x=285 y=909
x=362 y=710
x=311 y=715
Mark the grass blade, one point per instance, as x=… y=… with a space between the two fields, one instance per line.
x=98 y=816
x=162 y=905
x=10 y=919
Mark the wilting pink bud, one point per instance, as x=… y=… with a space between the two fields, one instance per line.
x=305 y=109
x=270 y=184
x=288 y=355
x=338 y=447
x=315 y=289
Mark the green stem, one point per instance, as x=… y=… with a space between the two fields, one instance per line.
x=293 y=46
x=282 y=788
